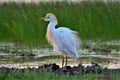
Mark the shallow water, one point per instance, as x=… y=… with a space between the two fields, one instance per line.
x=114 y=55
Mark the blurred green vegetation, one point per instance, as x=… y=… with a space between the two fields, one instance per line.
x=20 y=23
x=44 y=75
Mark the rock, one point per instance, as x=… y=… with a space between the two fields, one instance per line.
x=106 y=50
x=5 y=69
x=24 y=54
x=81 y=68
x=50 y=67
x=74 y=72
x=68 y=70
x=55 y=67
x=100 y=51
x=95 y=49
x=45 y=65
x=68 y=67
x=94 y=68
x=4 y=51
x=59 y=71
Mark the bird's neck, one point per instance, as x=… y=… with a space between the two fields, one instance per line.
x=51 y=26
x=50 y=31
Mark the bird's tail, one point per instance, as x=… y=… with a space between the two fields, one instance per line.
x=76 y=38
x=75 y=55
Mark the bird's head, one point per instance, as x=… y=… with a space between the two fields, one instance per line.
x=50 y=17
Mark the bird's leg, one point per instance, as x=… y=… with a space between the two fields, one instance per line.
x=62 y=61
x=66 y=61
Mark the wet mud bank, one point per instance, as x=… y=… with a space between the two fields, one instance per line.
x=55 y=69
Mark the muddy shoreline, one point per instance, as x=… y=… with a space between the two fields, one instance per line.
x=53 y=68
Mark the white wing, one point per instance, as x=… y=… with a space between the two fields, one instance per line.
x=66 y=41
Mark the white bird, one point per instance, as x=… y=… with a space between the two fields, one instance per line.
x=64 y=40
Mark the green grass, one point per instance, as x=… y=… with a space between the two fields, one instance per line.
x=93 y=20
x=27 y=75
x=40 y=76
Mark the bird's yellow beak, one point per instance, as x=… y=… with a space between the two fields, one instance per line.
x=42 y=18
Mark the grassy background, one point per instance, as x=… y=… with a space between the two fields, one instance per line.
x=93 y=20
